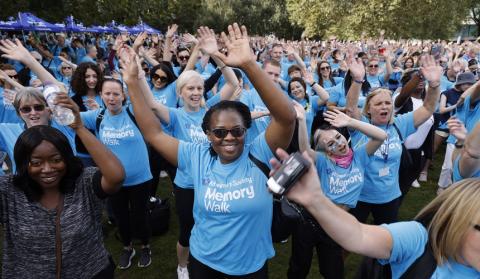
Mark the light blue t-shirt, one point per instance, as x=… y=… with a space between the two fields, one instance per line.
x=166 y=96
x=120 y=134
x=343 y=185
x=376 y=80
x=456 y=170
x=87 y=59
x=468 y=115
x=232 y=208
x=311 y=109
x=260 y=124
x=337 y=95
x=409 y=240
x=381 y=175
x=9 y=133
x=445 y=84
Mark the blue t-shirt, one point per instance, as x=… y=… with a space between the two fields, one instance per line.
x=98 y=99
x=232 y=208
x=445 y=84
x=469 y=114
x=337 y=95
x=343 y=185
x=456 y=170
x=7 y=111
x=120 y=134
x=166 y=96
x=409 y=240
x=376 y=80
x=311 y=109
x=87 y=59
x=260 y=124
x=9 y=133
x=381 y=175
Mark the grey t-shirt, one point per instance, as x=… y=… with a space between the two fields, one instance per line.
x=29 y=241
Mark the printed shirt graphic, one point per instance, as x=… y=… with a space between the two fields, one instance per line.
x=343 y=185
x=232 y=208
x=409 y=240
x=381 y=175
x=119 y=134
x=166 y=96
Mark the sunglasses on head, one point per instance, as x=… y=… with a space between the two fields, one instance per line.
x=325 y=68
x=28 y=109
x=373 y=66
x=235 y=132
x=162 y=78
x=183 y=57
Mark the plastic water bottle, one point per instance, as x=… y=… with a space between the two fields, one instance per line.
x=63 y=116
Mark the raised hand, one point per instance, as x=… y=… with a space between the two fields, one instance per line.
x=171 y=30
x=308 y=77
x=118 y=43
x=190 y=39
x=139 y=40
x=457 y=128
x=63 y=100
x=237 y=43
x=130 y=64
x=357 y=69
x=91 y=104
x=299 y=109
x=337 y=118
x=430 y=70
x=15 y=50
x=208 y=41
x=155 y=39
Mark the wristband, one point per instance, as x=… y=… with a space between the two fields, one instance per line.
x=313 y=84
x=359 y=81
x=430 y=85
x=458 y=145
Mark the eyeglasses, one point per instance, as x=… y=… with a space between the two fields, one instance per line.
x=162 y=78
x=14 y=76
x=235 y=132
x=373 y=66
x=67 y=67
x=28 y=109
x=324 y=68
x=183 y=57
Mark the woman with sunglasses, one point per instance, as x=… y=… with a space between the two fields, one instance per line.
x=381 y=192
x=447 y=230
x=51 y=208
x=65 y=73
x=185 y=124
x=232 y=209
x=164 y=85
x=325 y=77
x=341 y=170
x=373 y=68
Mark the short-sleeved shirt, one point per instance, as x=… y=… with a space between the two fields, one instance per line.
x=456 y=170
x=29 y=231
x=8 y=114
x=409 y=240
x=343 y=185
x=232 y=208
x=381 y=175
x=166 y=96
x=120 y=134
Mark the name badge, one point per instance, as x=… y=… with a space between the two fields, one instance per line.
x=384 y=171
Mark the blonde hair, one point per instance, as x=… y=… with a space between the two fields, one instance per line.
x=372 y=94
x=452 y=214
x=26 y=94
x=185 y=77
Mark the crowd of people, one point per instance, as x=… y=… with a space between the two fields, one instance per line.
x=211 y=111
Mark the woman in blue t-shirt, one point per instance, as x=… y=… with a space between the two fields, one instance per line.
x=324 y=75
x=381 y=192
x=232 y=207
x=163 y=82
x=449 y=225
x=341 y=170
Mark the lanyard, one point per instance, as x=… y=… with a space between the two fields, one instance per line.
x=384 y=149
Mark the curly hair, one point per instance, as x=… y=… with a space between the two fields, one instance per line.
x=79 y=85
x=26 y=143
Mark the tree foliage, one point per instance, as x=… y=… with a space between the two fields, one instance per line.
x=399 y=18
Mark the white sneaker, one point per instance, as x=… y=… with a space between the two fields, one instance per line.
x=423 y=177
x=415 y=184
x=163 y=174
x=182 y=272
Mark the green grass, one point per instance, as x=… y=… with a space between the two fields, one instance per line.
x=164 y=247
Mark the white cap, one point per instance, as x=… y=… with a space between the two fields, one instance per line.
x=274 y=186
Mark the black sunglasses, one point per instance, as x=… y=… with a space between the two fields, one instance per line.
x=373 y=66
x=162 y=78
x=477 y=227
x=28 y=109
x=14 y=76
x=235 y=132
x=66 y=67
x=184 y=57
x=324 y=68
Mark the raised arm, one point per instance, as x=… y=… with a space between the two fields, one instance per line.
x=167 y=55
x=469 y=163
x=407 y=90
x=208 y=44
x=388 y=65
x=377 y=136
x=111 y=168
x=9 y=80
x=149 y=125
x=432 y=73
x=369 y=240
x=357 y=71
x=16 y=51
x=321 y=92
x=280 y=130
x=291 y=51
x=303 y=143
x=68 y=62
